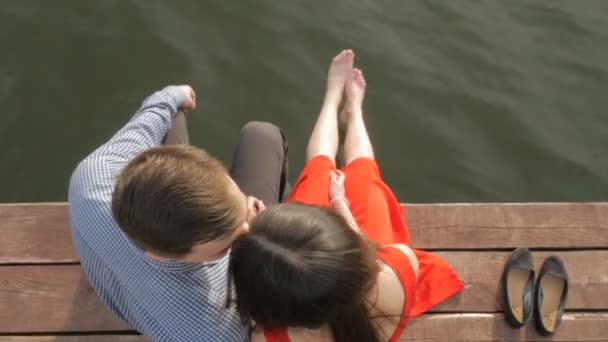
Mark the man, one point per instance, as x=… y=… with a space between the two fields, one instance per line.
x=153 y=223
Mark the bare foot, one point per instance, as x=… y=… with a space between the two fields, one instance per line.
x=355 y=91
x=339 y=71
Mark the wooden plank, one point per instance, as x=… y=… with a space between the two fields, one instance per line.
x=51 y=299
x=76 y=338
x=59 y=298
x=39 y=233
x=508 y=225
x=493 y=327
x=35 y=233
x=429 y=328
x=482 y=271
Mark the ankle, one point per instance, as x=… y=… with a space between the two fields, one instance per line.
x=355 y=114
x=333 y=95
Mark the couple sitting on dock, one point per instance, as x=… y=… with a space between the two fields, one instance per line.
x=184 y=250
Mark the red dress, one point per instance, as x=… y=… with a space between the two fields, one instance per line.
x=381 y=217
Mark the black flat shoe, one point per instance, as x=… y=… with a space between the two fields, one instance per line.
x=518 y=288
x=550 y=295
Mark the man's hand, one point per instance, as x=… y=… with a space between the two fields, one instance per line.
x=190 y=103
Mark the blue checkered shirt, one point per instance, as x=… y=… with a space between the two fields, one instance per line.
x=166 y=300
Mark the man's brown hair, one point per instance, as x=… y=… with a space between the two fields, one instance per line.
x=171 y=198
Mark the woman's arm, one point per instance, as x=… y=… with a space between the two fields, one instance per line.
x=338 y=199
x=341 y=206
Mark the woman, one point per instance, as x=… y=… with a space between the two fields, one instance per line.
x=336 y=266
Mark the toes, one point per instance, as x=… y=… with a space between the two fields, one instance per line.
x=344 y=55
x=362 y=79
x=357 y=76
x=352 y=77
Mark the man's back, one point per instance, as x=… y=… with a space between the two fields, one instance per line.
x=166 y=300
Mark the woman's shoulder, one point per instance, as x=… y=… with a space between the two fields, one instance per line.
x=389 y=296
x=387 y=301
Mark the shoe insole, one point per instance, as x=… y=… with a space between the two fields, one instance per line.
x=516 y=283
x=552 y=288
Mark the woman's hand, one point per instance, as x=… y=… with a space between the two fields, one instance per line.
x=338 y=200
x=336 y=185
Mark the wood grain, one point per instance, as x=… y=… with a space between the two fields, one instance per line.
x=429 y=328
x=40 y=297
x=482 y=271
x=50 y=299
x=76 y=338
x=35 y=233
x=508 y=225
x=493 y=327
x=59 y=298
x=39 y=233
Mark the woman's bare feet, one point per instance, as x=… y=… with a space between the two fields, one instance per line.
x=355 y=92
x=356 y=143
x=355 y=88
x=339 y=72
x=324 y=138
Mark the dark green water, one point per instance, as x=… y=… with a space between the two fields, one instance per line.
x=467 y=100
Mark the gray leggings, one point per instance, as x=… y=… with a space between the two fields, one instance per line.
x=259 y=164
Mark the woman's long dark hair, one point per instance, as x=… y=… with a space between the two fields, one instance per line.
x=303 y=266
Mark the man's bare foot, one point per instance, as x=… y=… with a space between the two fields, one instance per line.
x=355 y=91
x=339 y=71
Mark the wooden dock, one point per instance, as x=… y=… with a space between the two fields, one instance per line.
x=44 y=295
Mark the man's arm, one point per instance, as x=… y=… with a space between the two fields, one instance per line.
x=148 y=126
x=92 y=183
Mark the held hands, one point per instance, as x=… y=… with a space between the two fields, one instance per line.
x=190 y=103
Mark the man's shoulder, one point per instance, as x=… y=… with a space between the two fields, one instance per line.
x=188 y=303
x=95 y=231
x=90 y=190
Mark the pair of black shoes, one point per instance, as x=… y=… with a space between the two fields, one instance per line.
x=522 y=300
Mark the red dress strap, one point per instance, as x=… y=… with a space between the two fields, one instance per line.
x=276 y=335
x=402 y=267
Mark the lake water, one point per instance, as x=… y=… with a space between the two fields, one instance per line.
x=467 y=101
